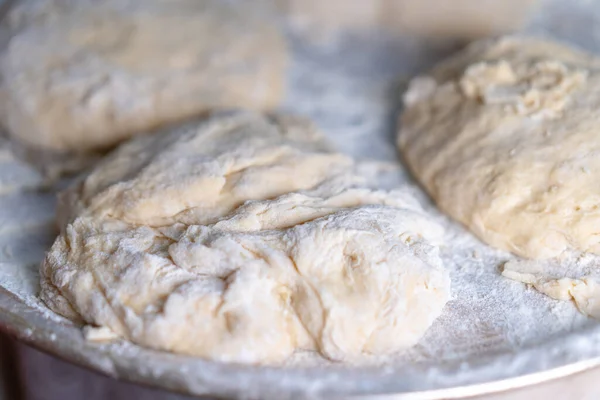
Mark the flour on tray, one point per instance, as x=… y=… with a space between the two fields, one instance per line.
x=356 y=109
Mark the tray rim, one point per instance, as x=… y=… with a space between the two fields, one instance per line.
x=545 y=361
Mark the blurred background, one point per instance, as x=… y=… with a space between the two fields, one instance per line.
x=463 y=19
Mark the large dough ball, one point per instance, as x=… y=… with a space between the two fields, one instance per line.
x=505 y=137
x=80 y=75
x=244 y=239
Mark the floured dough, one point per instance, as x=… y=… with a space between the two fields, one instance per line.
x=570 y=277
x=201 y=171
x=79 y=75
x=504 y=136
x=243 y=239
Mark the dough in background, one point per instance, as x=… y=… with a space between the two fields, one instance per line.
x=504 y=136
x=462 y=19
x=243 y=239
x=83 y=75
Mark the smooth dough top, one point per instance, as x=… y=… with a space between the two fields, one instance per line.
x=242 y=238
x=81 y=75
x=504 y=136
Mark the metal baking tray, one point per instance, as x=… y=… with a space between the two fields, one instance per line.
x=350 y=86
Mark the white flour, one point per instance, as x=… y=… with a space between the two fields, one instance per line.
x=26 y=227
x=358 y=102
x=355 y=102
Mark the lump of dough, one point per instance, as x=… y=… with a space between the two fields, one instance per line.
x=204 y=169
x=84 y=75
x=504 y=136
x=571 y=277
x=210 y=253
x=448 y=19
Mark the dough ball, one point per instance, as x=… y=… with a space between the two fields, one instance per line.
x=504 y=136
x=81 y=75
x=243 y=239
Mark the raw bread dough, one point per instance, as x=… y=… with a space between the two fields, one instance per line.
x=200 y=171
x=242 y=239
x=504 y=136
x=447 y=19
x=79 y=75
x=570 y=277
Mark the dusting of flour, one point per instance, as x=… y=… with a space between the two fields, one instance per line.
x=356 y=107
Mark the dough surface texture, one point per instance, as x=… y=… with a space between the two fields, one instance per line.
x=243 y=239
x=573 y=277
x=82 y=75
x=504 y=137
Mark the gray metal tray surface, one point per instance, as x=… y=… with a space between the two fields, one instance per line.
x=494 y=334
